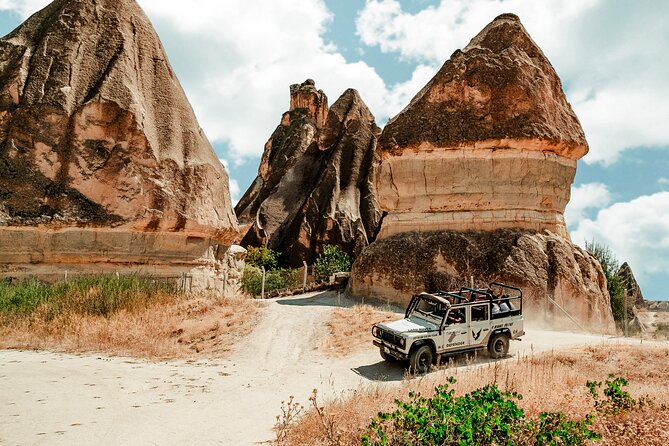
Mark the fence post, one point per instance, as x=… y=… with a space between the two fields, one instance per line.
x=262 y=287
x=304 y=281
x=65 y=275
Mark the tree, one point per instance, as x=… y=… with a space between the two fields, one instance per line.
x=332 y=260
x=262 y=256
x=614 y=282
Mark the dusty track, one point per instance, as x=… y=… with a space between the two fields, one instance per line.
x=62 y=399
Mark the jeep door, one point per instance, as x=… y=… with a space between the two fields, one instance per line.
x=455 y=331
x=479 y=325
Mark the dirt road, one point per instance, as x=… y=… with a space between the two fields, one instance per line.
x=63 y=399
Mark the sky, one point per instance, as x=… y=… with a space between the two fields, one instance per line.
x=237 y=58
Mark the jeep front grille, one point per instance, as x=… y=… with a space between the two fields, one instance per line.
x=389 y=337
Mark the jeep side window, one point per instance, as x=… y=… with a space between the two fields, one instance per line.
x=480 y=312
x=456 y=316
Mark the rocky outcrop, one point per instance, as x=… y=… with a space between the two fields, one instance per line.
x=101 y=156
x=315 y=181
x=632 y=290
x=552 y=272
x=490 y=142
x=475 y=175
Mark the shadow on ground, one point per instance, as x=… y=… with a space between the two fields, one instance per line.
x=384 y=371
x=332 y=298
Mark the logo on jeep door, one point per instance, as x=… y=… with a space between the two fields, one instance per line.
x=476 y=335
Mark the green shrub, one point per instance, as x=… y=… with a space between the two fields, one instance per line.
x=555 y=429
x=262 y=256
x=277 y=279
x=486 y=416
x=332 y=260
x=616 y=398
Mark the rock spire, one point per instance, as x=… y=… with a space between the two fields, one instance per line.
x=315 y=182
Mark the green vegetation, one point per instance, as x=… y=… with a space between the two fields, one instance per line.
x=616 y=399
x=262 y=256
x=488 y=416
x=614 y=282
x=276 y=279
x=332 y=260
x=100 y=295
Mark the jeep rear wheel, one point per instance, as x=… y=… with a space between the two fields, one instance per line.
x=499 y=346
x=421 y=359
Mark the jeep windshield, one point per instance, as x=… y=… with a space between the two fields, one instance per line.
x=428 y=306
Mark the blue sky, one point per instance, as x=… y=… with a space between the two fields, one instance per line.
x=236 y=59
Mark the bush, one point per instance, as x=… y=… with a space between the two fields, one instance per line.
x=332 y=260
x=277 y=279
x=486 y=416
x=616 y=398
x=262 y=256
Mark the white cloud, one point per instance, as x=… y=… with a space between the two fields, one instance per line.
x=583 y=197
x=24 y=8
x=611 y=56
x=636 y=231
x=235 y=191
x=663 y=181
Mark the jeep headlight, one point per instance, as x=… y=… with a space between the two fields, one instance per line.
x=403 y=342
x=375 y=331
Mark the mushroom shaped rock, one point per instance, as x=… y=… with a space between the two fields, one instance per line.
x=490 y=142
x=102 y=162
x=475 y=175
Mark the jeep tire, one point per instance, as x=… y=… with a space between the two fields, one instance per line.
x=386 y=356
x=498 y=346
x=421 y=359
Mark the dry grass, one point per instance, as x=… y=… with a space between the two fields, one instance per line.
x=172 y=326
x=349 y=329
x=548 y=382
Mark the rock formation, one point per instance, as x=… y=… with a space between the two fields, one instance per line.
x=490 y=142
x=475 y=175
x=552 y=272
x=315 y=181
x=102 y=162
x=632 y=291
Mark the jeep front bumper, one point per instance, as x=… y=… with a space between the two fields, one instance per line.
x=391 y=350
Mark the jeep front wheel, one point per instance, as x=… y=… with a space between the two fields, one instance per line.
x=499 y=346
x=421 y=359
x=386 y=356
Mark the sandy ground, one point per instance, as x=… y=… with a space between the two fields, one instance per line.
x=61 y=399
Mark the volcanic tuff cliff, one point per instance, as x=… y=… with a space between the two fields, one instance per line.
x=102 y=160
x=475 y=175
x=315 y=181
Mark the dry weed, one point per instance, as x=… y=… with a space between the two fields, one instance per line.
x=548 y=382
x=171 y=327
x=349 y=328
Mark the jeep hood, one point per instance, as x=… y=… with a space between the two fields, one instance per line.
x=409 y=324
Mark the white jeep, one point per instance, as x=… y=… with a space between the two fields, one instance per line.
x=443 y=323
